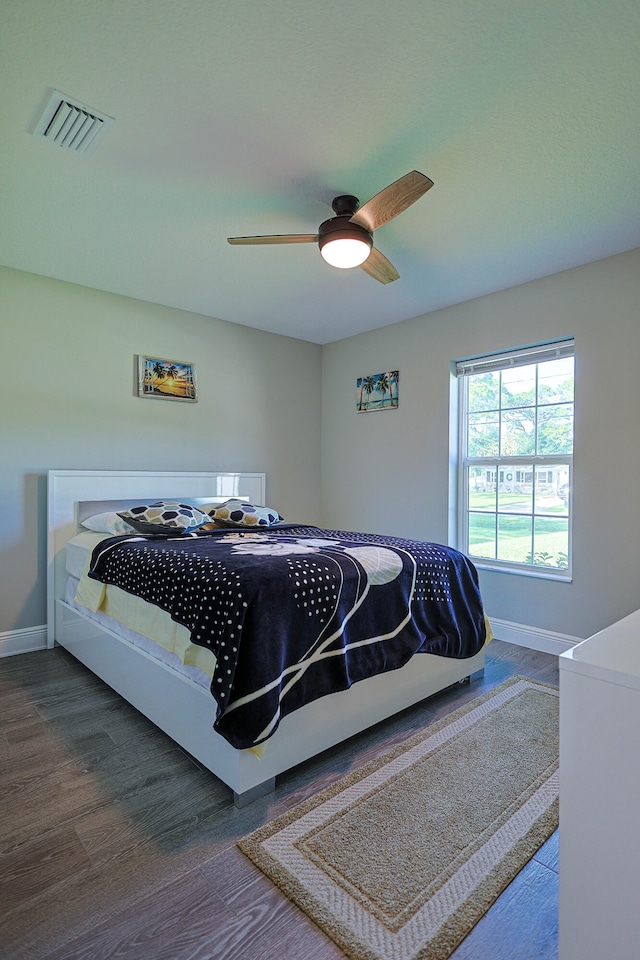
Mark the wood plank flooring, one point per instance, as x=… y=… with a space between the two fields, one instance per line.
x=115 y=843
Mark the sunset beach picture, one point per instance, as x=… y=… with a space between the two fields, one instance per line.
x=166 y=379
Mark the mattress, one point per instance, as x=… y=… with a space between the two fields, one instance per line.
x=140 y=623
x=79 y=550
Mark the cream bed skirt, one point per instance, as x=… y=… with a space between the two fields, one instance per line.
x=132 y=618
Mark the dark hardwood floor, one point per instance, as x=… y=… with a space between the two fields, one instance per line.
x=115 y=843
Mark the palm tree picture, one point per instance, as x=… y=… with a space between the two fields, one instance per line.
x=377 y=391
x=166 y=379
x=394 y=376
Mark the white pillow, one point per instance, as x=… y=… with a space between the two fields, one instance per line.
x=107 y=523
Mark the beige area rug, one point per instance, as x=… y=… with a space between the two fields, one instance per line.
x=400 y=859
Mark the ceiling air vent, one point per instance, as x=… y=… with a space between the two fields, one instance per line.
x=71 y=124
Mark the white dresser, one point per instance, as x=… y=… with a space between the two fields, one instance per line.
x=600 y=795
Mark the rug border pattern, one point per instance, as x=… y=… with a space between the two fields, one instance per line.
x=440 y=924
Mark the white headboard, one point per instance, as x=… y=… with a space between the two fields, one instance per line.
x=75 y=494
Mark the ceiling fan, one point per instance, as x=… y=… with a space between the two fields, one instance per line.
x=346 y=240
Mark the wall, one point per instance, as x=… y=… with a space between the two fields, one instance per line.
x=388 y=472
x=67 y=401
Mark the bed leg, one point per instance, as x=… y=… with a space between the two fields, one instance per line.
x=478 y=675
x=241 y=800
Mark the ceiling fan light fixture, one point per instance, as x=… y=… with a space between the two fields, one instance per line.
x=345 y=253
x=344 y=244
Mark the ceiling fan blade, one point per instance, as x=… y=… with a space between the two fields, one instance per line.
x=392 y=200
x=278 y=238
x=378 y=267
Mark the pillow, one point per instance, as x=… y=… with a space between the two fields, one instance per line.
x=164 y=516
x=107 y=523
x=239 y=513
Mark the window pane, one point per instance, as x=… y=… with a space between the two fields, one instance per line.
x=518 y=433
x=482 y=488
x=519 y=386
x=555 y=429
x=482 y=535
x=514 y=538
x=555 y=381
x=552 y=489
x=483 y=437
x=515 y=489
x=551 y=542
x=484 y=391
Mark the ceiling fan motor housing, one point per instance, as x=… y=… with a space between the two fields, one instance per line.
x=341 y=228
x=345 y=204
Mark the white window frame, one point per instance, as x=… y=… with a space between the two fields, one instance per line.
x=491 y=363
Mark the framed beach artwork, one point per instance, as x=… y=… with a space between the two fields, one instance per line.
x=164 y=379
x=377 y=391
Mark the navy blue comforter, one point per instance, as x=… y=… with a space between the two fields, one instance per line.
x=293 y=613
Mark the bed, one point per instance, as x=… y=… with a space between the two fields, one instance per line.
x=174 y=695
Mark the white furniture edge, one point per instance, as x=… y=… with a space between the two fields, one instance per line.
x=599 y=794
x=177 y=705
x=611 y=655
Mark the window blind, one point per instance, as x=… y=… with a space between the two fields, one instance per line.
x=515 y=358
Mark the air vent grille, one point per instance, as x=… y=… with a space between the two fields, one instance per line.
x=71 y=125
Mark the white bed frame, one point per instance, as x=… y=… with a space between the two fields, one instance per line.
x=176 y=704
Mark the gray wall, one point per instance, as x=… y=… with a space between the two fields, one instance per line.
x=67 y=401
x=388 y=472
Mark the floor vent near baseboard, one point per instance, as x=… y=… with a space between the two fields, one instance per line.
x=71 y=124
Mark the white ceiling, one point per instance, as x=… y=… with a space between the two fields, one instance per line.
x=236 y=118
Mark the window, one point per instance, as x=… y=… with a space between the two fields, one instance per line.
x=516 y=459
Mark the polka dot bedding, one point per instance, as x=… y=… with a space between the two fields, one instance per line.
x=295 y=613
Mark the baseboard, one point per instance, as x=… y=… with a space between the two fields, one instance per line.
x=23 y=641
x=35 y=638
x=533 y=637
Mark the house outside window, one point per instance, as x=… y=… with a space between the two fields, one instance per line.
x=516 y=459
